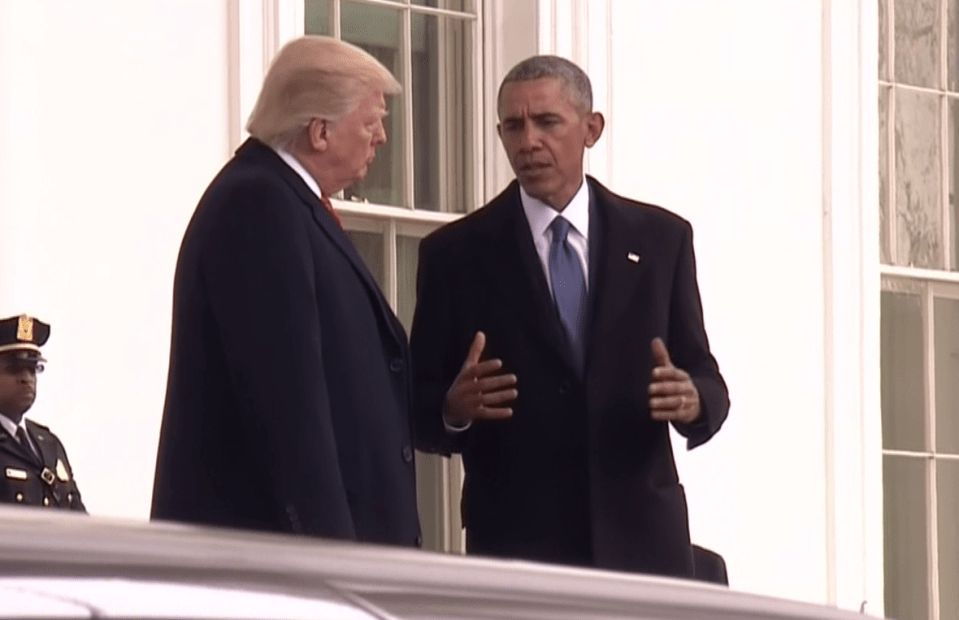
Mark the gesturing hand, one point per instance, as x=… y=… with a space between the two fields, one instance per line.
x=477 y=393
x=673 y=396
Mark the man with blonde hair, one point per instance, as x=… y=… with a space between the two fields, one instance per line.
x=287 y=405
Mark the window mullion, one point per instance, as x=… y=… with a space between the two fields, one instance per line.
x=477 y=139
x=406 y=51
x=389 y=254
x=928 y=299
x=334 y=16
x=443 y=90
x=891 y=175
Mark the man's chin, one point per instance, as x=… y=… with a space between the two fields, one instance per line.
x=535 y=188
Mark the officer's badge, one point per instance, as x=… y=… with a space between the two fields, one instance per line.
x=62 y=471
x=25 y=329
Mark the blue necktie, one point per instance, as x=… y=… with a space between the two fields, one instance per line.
x=569 y=287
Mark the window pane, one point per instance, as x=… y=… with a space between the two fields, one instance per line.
x=883 y=40
x=947 y=489
x=443 y=112
x=905 y=532
x=407 y=251
x=946 y=319
x=317 y=17
x=952 y=53
x=431 y=500
x=885 y=253
x=918 y=180
x=917 y=42
x=370 y=247
x=376 y=29
x=453 y=5
x=902 y=363
x=953 y=174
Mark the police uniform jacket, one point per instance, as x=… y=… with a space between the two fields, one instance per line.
x=30 y=480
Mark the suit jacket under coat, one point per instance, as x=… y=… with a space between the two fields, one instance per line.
x=287 y=405
x=580 y=453
x=46 y=481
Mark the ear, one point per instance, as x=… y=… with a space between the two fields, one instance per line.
x=595 y=123
x=317 y=133
x=499 y=130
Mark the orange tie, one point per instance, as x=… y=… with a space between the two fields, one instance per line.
x=329 y=207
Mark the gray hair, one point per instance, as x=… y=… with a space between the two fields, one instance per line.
x=574 y=79
x=314 y=77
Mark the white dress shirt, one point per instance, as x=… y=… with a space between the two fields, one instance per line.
x=11 y=428
x=540 y=215
x=298 y=168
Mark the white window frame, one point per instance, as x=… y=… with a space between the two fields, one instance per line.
x=851 y=304
x=937 y=283
x=943 y=285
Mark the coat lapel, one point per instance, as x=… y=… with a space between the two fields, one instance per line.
x=47 y=448
x=329 y=227
x=340 y=239
x=620 y=264
x=515 y=270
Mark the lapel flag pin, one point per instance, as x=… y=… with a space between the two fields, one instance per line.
x=633 y=257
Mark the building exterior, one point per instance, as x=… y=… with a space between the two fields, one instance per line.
x=830 y=290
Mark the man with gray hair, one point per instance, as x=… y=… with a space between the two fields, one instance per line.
x=578 y=315
x=288 y=396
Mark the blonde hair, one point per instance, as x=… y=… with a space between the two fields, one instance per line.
x=314 y=77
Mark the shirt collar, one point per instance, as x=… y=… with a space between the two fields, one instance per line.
x=298 y=168
x=540 y=215
x=10 y=427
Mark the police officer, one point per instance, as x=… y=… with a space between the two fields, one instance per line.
x=34 y=470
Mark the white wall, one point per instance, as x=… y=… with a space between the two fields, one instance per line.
x=717 y=115
x=113 y=118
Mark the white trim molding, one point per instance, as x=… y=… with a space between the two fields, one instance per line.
x=582 y=31
x=853 y=420
x=257 y=30
x=506 y=41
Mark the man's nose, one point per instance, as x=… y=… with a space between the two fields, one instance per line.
x=529 y=137
x=380 y=136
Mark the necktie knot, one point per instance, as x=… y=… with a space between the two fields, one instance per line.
x=25 y=442
x=560 y=228
x=328 y=205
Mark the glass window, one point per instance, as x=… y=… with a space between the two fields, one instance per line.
x=377 y=30
x=451 y=5
x=902 y=362
x=952 y=173
x=443 y=111
x=431 y=159
x=947 y=485
x=884 y=202
x=918 y=179
x=946 y=320
x=317 y=17
x=952 y=45
x=407 y=254
x=905 y=523
x=917 y=35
